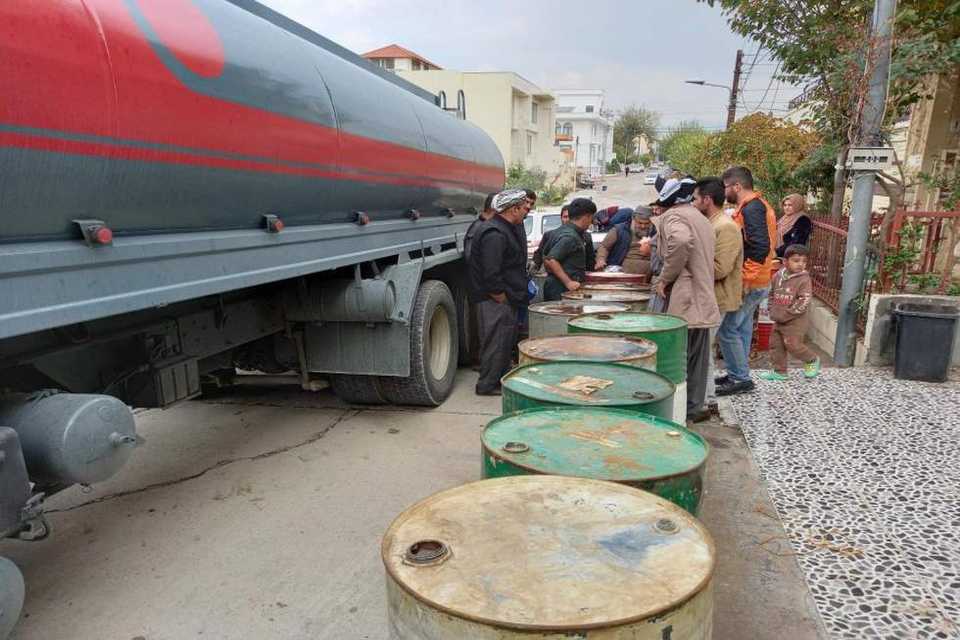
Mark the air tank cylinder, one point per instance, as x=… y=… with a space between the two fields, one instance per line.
x=71 y=438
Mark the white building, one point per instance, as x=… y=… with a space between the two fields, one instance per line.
x=585 y=127
x=393 y=57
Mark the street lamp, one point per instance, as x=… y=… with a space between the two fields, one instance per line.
x=731 y=108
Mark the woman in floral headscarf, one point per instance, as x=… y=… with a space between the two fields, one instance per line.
x=794 y=226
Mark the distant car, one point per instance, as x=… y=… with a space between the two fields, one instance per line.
x=537 y=223
x=584 y=181
x=650 y=177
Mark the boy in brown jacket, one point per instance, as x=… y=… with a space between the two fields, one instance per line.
x=790 y=294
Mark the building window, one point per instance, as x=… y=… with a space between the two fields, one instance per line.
x=589 y=108
x=416 y=65
x=533 y=112
x=529 y=144
x=385 y=63
x=568 y=129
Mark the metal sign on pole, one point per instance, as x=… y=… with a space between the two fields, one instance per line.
x=861 y=209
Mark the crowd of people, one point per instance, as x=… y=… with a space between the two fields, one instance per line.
x=706 y=265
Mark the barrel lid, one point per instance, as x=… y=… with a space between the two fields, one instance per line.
x=576 y=307
x=601 y=295
x=583 y=383
x=629 y=322
x=604 y=444
x=548 y=553
x=615 y=276
x=583 y=347
x=614 y=286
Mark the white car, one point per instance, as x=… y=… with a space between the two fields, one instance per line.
x=650 y=177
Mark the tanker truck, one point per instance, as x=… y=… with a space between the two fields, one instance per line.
x=189 y=188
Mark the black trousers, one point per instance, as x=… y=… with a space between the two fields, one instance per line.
x=498 y=336
x=698 y=365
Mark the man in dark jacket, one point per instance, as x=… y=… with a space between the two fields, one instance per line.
x=476 y=225
x=566 y=258
x=498 y=279
x=627 y=245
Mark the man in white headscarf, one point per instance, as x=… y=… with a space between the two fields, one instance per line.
x=498 y=279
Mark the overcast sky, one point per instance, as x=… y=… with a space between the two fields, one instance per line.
x=639 y=51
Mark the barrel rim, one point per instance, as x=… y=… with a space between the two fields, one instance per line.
x=684 y=324
x=539 y=307
x=623 y=412
x=647 y=343
x=561 y=400
x=704 y=583
x=628 y=296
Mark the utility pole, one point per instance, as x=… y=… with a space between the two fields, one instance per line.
x=858 y=234
x=734 y=89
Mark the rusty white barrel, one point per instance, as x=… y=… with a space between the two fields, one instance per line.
x=618 y=277
x=548 y=557
x=613 y=286
x=636 y=300
x=637 y=352
x=550 y=318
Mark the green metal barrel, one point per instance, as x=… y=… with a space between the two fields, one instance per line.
x=637 y=352
x=604 y=444
x=667 y=331
x=587 y=384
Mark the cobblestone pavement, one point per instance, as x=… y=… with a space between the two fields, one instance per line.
x=864 y=472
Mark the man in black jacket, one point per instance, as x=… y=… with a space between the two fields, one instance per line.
x=498 y=279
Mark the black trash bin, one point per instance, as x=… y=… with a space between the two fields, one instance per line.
x=925 y=334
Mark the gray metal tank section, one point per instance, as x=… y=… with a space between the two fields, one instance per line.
x=11 y=596
x=71 y=438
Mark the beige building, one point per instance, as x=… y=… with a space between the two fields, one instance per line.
x=516 y=113
x=933 y=140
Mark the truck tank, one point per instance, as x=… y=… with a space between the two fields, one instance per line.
x=197 y=115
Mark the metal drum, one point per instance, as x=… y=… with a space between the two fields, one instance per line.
x=636 y=300
x=607 y=277
x=604 y=444
x=551 y=558
x=668 y=331
x=614 y=286
x=550 y=318
x=587 y=384
x=636 y=352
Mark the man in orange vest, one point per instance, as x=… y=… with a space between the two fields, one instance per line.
x=759 y=226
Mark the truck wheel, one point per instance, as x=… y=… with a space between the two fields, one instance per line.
x=357 y=389
x=11 y=596
x=467 y=334
x=433 y=350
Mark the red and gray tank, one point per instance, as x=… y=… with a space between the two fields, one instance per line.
x=179 y=115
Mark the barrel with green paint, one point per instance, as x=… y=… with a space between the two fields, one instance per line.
x=587 y=384
x=669 y=332
x=631 y=448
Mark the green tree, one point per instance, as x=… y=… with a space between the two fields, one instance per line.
x=520 y=176
x=826 y=45
x=632 y=122
x=684 y=146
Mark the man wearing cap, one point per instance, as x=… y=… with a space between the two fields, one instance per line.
x=627 y=245
x=566 y=258
x=686 y=245
x=498 y=286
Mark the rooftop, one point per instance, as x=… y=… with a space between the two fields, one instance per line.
x=396 y=51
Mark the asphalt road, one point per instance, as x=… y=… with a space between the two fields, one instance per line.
x=258 y=513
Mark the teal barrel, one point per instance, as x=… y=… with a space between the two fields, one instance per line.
x=587 y=384
x=667 y=331
x=632 y=448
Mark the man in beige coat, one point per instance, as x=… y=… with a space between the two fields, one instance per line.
x=686 y=246
x=708 y=197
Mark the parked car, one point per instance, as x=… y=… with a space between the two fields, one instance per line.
x=650 y=177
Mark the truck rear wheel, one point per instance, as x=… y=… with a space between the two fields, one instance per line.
x=433 y=350
x=467 y=336
x=357 y=389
